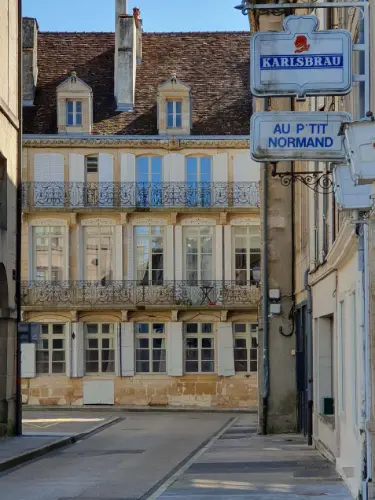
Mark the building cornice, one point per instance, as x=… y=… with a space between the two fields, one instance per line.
x=169 y=143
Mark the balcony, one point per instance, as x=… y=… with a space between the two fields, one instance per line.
x=139 y=195
x=133 y=294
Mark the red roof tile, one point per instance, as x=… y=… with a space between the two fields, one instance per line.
x=214 y=64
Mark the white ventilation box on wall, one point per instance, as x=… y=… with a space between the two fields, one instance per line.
x=348 y=195
x=360 y=150
x=99 y=392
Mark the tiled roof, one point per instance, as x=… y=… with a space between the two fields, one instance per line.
x=214 y=64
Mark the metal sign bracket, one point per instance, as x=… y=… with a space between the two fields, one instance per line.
x=316 y=180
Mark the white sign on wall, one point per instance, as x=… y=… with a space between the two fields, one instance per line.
x=283 y=135
x=301 y=61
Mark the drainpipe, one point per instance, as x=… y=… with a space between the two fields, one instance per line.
x=309 y=361
x=266 y=380
x=18 y=423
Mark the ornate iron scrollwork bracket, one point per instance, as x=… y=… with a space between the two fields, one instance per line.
x=320 y=182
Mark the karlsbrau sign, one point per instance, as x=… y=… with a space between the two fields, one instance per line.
x=289 y=135
x=301 y=61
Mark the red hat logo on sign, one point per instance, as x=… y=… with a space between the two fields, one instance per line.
x=301 y=44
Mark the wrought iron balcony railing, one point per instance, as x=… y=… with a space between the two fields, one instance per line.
x=130 y=195
x=130 y=294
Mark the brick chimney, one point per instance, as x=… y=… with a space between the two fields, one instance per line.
x=125 y=57
x=29 y=59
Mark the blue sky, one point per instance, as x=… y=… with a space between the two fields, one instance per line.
x=158 y=15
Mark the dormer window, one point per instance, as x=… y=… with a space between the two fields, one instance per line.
x=174 y=114
x=73 y=113
x=74 y=106
x=174 y=107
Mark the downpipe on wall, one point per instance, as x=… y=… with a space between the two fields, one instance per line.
x=310 y=393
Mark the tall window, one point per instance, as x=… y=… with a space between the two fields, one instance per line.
x=199 y=348
x=73 y=113
x=150 y=348
x=198 y=181
x=245 y=347
x=48 y=253
x=50 y=349
x=99 y=348
x=174 y=114
x=91 y=188
x=149 y=244
x=99 y=253
x=149 y=181
x=246 y=256
x=198 y=243
x=354 y=339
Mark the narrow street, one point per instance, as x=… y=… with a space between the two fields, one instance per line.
x=171 y=456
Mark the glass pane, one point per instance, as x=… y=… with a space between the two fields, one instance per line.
x=78 y=106
x=241 y=277
x=206 y=328
x=105 y=328
x=142 y=343
x=191 y=261
x=156 y=169
x=208 y=366
x=241 y=245
x=92 y=343
x=142 y=355
x=191 y=169
x=240 y=327
x=240 y=354
x=108 y=355
x=108 y=367
x=191 y=327
x=157 y=261
x=191 y=366
x=208 y=354
x=207 y=343
x=58 y=344
x=240 y=366
x=178 y=107
x=158 y=343
x=141 y=327
x=78 y=119
x=158 y=328
x=241 y=261
x=105 y=344
x=169 y=106
x=191 y=245
x=92 y=328
x=178 y=121
x=69 y=106
x=253 y=354
x=58 y=329
x=58 y=367
x=253 y=366
x=44 y=329
x=191 y=354
x=159 y=367
x=42 y=356
x=205 y=169
x=240 y=343
x=191 y=343
x=92 y=367
x=254 y=342
x=58 y=356
x=142 y=366
x=206 y=244
x=92 y=355
x=45 y=344
x=41 y=367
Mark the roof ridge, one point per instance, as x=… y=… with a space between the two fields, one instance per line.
x=239 y=32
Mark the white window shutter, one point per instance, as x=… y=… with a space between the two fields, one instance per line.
x=175 y=349
x=227 y=253
x=68 y=349
x=105 y=176
x=178 y=252
x=78 y=350
x=76 y=179
x=176 y=166
x=245 y=169
x=127 y=350
x=220 y=168
x=225 y=350
x=130 y=250
x=28 y=363
x=219 y=253
x=169 y=254
x=167 y=168
x=56 y=167
x=49 y=167
x=80 y=253
x=127 y=167
x=118 y=253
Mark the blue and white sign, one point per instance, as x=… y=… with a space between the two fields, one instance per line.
x=301 y=61
x=289 y=135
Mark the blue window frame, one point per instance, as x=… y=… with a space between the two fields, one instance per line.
x=198 y=181
x=174 y=114
x=149 y=179
x=73 y=113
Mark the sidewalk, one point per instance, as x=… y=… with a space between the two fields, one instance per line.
x=43 y=439
x=241 y=465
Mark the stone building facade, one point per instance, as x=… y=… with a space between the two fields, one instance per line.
x=141 y=246
x=9 y=161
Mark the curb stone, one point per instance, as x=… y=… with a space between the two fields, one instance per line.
x=30 y=455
